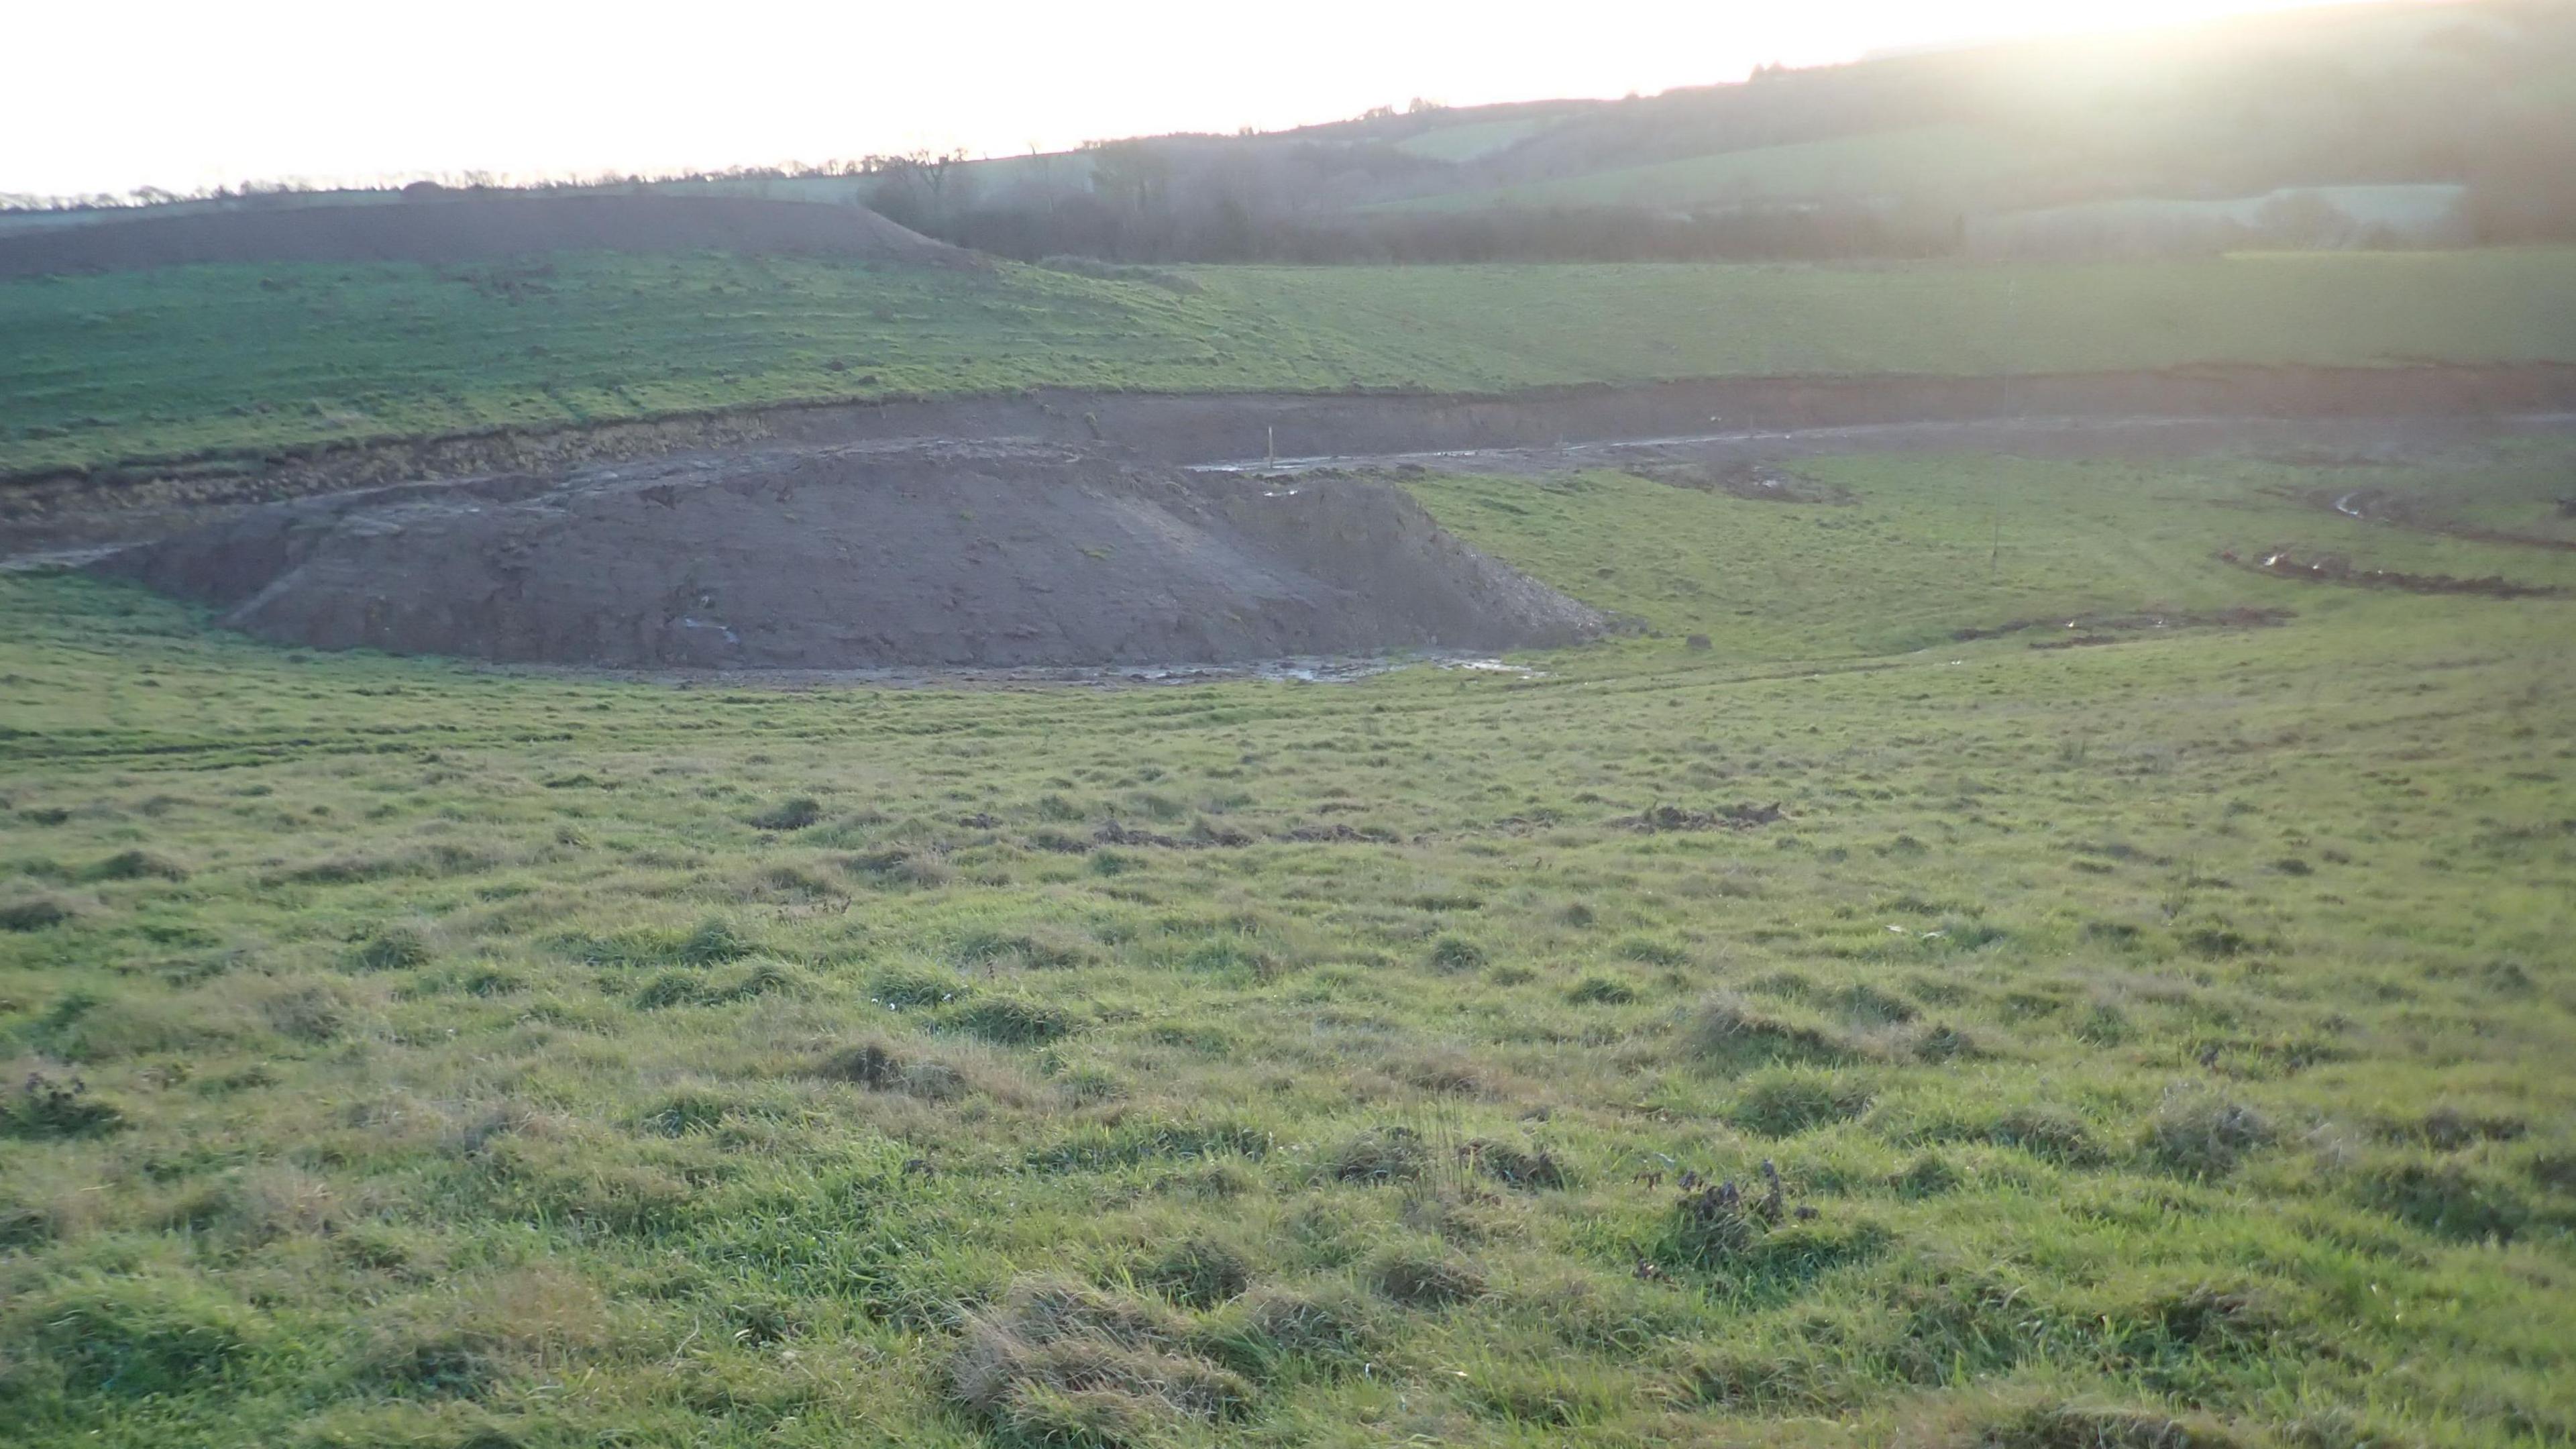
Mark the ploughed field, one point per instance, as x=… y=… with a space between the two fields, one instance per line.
x=2037 y=976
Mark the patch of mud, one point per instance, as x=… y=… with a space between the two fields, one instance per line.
x=1743 y=478
x=996 y=555
x=2088 y=629
x=2337 y=569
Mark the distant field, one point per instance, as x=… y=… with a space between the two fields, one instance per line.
x=184 y=361
x=1948 y=159
x=1474 y=139
x=2423 y=215
x=2159 y=1043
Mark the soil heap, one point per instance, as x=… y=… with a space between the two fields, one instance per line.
x=962 y=554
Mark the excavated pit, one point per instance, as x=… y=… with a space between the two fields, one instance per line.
x=861 y=556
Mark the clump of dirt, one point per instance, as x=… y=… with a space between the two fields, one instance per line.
x=1744 y=478
x=861 y=556
x=2280 y=563
x=2087 y=629
x=452 y=228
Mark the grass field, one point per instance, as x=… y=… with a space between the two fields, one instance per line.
x=187 y=361
x=1472 y=140
x=2157 y=1044
x=1952 y=161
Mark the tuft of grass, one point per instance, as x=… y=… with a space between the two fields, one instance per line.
x=2062 y=1425
x=1199 y=1272
x=395 y=948
x=906 y=986
x=1726 y=1031
x=1784 y=1103
x=35 y=913
x=136 y=865
x=1380 y=1155
x=1061 y=1363
x=1419 y=1279
x=714 y=942
x=880 y=1066
x=2202 y=1135
x=1534 y=1169
x=1601 y=991
x=1456 y=953
x=791 y=814
x=2454 y=1200
x=138 y=1336
x=2050 y=1132
x=1012 y=1020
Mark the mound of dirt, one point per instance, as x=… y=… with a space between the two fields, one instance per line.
x=464 y=227
x=991 y=554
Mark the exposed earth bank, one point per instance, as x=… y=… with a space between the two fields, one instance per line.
x=856 y=556
x=1199 y=428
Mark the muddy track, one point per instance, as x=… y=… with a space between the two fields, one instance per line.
x=2180 y=410
x=2381 y=505
x=2281 y=563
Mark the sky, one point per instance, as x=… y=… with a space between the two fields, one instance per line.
x=109 y=95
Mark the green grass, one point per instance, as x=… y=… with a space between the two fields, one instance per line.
x=189 y=361
x=2164 y=1040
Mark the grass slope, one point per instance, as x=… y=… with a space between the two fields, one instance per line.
x=2157 y=1043
x=192 y=360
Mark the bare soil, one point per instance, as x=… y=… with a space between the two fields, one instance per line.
x=856 y=556
x=2375 y=413
x=462 y=227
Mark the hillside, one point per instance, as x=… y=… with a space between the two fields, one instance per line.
x=240 y=360
x=2176 y=135
x=1898 y=156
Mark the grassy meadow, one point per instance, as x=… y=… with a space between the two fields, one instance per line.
x=190 y=361
x=2152 y=1044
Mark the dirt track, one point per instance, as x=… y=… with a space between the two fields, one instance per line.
x=2370 y=412
x=990 y=555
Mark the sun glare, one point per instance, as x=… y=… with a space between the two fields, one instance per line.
x=288 y=88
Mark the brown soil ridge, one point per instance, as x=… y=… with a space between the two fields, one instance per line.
x=860 y=556
x=453 y=228
x=1198 y=428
